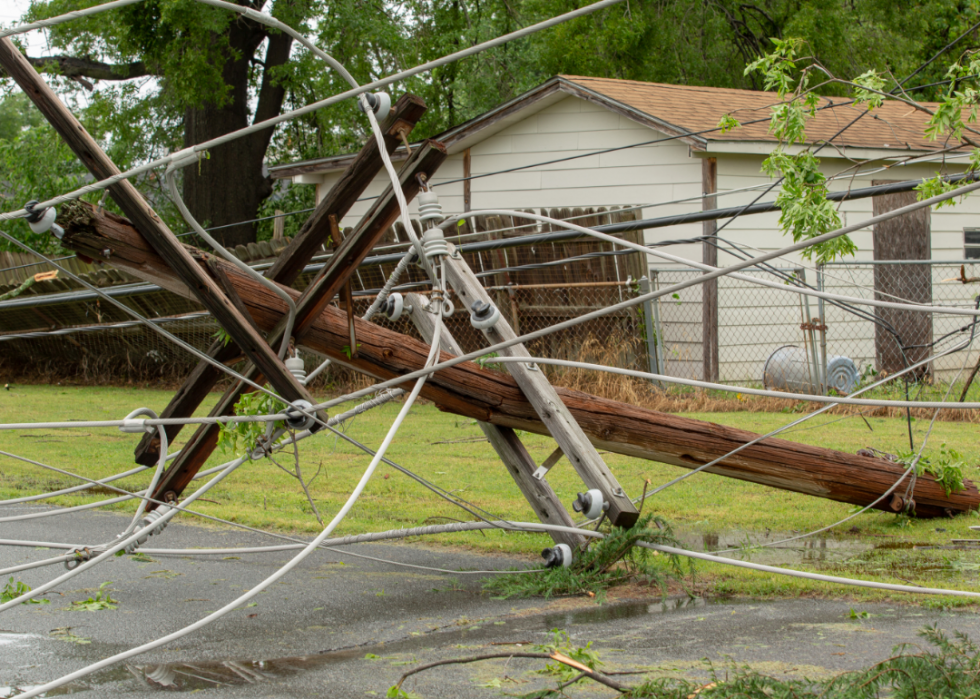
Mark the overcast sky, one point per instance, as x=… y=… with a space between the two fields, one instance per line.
x=10 y=13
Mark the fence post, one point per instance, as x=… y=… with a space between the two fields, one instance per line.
x=651 y=326
x=816 y=378
x=823 y=328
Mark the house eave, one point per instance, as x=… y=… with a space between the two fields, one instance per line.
x=764 y=148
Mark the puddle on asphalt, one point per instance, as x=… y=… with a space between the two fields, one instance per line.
x=627 y=610
x=754 y=546
x=193 y=676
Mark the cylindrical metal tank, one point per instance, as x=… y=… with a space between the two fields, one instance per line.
x=788 y=369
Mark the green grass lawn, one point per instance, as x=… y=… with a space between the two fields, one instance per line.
x=437 y=446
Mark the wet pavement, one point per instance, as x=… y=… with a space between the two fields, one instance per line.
x=339 y=626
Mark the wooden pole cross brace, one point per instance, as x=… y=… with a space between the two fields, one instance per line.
x=548 y=464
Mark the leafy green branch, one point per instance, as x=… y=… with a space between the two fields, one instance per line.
x=806 y=212
x=243 y=437
x=946 y=468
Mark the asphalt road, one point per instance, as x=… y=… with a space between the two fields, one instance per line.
x=340 y=626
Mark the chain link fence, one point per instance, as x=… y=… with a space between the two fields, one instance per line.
x=754 y=322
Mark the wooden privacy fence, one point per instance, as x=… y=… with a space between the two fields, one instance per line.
x=535 y=285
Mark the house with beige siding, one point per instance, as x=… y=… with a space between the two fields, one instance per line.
x=593 y=142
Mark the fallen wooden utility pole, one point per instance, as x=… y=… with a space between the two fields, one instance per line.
x=493 y=397
x=424 y=160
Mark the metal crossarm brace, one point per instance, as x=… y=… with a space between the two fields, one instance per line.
x=547 y=404
x=310 y=304
x=504 y=441
x=291 y=262
x=207 y=291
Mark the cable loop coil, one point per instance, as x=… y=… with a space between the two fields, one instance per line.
x=79 y=556
x=152 y=517
x=440 y=304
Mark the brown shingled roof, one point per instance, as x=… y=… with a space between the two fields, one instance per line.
x=893 y=125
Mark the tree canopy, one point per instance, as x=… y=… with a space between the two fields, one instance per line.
x=161 y=75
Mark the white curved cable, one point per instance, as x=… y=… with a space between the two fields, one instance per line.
x=831 y=401
x=220 y=366
x=37 y=564
x=161 y=465
x=121 y=543
x=73 y=489
x=396 y=188
x=656 y=252
x=912 y=466
x=308 y=549
x=315 y=106
x=61 y=511
x=256 y=15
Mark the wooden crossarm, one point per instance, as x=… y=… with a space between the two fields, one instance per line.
x=314 y=299
x=291 y=262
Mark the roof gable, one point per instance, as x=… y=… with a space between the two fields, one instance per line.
x=696 y=111
x=689 y=113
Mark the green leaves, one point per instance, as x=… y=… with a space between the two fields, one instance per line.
x=727 y=123
x=222 y=335
x=242 y=437
x=561 y=642
x=614 y=560
x=946 y=467
x=778 y=67
x=100 y=601
x=806 y=212
x=12 y=590
x=870 y=85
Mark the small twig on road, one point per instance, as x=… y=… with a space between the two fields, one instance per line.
x=586 y=671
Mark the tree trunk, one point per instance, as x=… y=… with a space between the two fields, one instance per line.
x=229 y=186
x=901 y=342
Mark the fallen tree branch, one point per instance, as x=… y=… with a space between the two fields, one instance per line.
x=586 y=671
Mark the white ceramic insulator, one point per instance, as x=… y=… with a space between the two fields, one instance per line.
x=566 y=554
x=395 y=306
x=487 y=322
x=380 y=104
x=297 y=367
x=429 y=207
x=434 y=243
x=596 y=504
x=298 y=420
